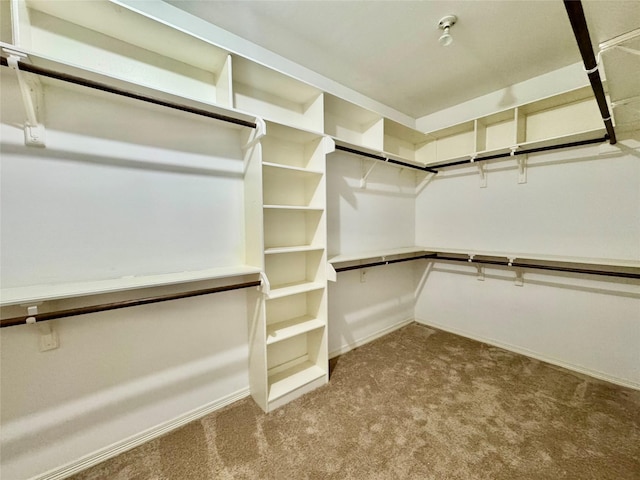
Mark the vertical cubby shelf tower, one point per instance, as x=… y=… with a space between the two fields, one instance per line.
x=289 y=332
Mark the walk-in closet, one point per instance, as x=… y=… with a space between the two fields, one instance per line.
x=319 y=239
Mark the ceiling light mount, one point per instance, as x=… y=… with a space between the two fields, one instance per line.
x=445 y=24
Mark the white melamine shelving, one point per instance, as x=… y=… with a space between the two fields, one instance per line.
x=111 y=39
x=352 y=124
x=375 y=254
x=48 y=292
x=289 y=351
x=275 y=96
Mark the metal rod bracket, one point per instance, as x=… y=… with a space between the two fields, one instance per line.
x=365 y=175
x=483 y=175
x=480 y=273
x=522 y=169
x=519 y=280
x=48 y=336
x=31 y=92
x=266 y=286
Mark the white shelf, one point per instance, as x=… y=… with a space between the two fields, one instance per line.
x=301 y=248
x=116 y=40
x=523 y=257
x=353 y=257
x=290 y=328
x=293 y=378
x=48 y=292
x=293 y=207
x=279 y=291
x=350 y=123
x=276 y=96
x=297 y=170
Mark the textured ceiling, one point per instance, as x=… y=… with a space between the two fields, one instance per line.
x=389 y=51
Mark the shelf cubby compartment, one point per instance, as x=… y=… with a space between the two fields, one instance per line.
x=290 y=147
x=497 y=132
x=285 y=228
x=296 y=314
x=453 y=143
x=352 y=124
x=568 y=116
x=295 y=363
x=294 y=272
x=407 y=144
x=284 y=186
x=275 y=96
x=104 y=37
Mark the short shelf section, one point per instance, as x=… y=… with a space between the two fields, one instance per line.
x=288 y=381
x=48 y=292
x=290 y=328
x=275 y=96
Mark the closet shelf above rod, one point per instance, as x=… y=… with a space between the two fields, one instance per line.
x=42 y=317
x=601 y=267
x=84 y=82
x=384 y=159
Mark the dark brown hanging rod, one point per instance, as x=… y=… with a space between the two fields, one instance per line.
x=43 y=317
x=581 y=32
x=384 y=159
x=437 y=168
x=502 y=263
x=525 y=151
x=386 y=262
x=25 y=67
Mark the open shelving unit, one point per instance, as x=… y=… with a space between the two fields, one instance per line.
x=275 y=96
x=289 y=351
x=110 y=39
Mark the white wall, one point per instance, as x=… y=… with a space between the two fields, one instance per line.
x=121 y=189
x=581 y=202
x=377 y=217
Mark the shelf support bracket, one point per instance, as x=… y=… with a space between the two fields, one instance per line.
x=519 y=281
x=522 y=169
x=31 y=92
x=483 y=175
x=266 y=286
x=48 y=336
x=480 y=273
x=365 y=175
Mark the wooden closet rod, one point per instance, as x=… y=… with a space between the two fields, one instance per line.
x=503 y=263
x=43 y=317
x=25 y=67
x=384 y=159
x=386 y=262
x=524 y=152
x=581 y=32
x=437 y=168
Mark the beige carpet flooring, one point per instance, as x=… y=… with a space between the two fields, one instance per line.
x=416 y=404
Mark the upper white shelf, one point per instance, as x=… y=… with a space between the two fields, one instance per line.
x=48 y=292
x=374 y=254
x=520 y=257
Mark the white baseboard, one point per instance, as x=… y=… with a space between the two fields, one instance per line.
x=369 y=338
x=529 y=353
x=136 y=440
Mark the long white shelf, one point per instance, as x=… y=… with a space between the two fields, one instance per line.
x=371 y=254
x=291 y=168
x=604 y=262
x=57 y=291
x=511 y=256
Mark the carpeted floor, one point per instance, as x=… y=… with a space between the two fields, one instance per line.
x=416 y=404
